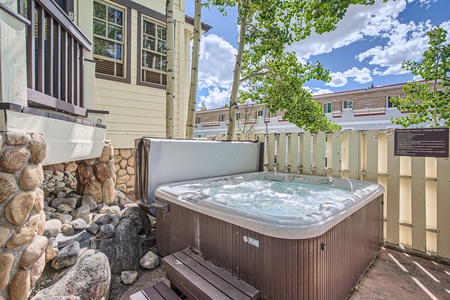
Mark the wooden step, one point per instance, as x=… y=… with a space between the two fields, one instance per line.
x=158 y=291
x=197 y=278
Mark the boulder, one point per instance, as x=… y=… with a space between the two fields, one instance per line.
x=124 y=251
x=8 y=184
x=128 y=277
x=106 y=231
x=33 y=252
x=38 y=148
x=6 y=263
x=37 y=269
x=89 y=201
x=139 y=218
x=149 y=261
x=31 y=177
x=14 y=159
x=89 y=279
x=17 y=138
x=52 y=249
x=52 y=227
x=67 y=257
x=128 y=247
x=20 y=285
x=18 y=209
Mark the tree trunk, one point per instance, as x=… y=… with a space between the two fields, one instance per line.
x=194 y=71
x=170 y=90
x=236 y=75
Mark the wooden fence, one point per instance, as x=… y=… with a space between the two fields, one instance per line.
x=417 y=189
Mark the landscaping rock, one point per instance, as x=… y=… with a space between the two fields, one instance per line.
x=52 y=227
x=81 y=212
x=149 y=261
x=89 y=279
x=106 y=231
x=67 y=257
x=129 y=277
x=92 y=228
x=52 y=249
x=89 y=201
x=139 y=218
x=78 y=224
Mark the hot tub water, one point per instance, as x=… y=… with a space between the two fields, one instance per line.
x=274 y=198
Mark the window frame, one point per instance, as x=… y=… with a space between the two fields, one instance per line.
x=154 y=19
x=327 y=105
x=222 y=118
x=387 y=102
x=345 y=105
x=260 y=113
x=126 y=46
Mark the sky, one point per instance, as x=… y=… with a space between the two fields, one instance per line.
x=367 y=48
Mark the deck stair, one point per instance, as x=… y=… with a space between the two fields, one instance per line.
x=198 y=278
x=158 y=291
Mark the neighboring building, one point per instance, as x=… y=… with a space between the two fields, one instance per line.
x=361 y=109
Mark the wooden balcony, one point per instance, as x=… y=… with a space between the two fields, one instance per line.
x=55 y=60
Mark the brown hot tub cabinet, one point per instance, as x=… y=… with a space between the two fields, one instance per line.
x=320 y=255
x=323 y=267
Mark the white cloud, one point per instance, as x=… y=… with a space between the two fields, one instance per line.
x=217 y=59
x=359 y=21
x=216 y=98
x=339 y=79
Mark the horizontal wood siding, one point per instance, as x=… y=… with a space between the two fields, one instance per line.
x=281 y=268
x=137 y=110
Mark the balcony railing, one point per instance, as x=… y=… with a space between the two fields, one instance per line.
x=55 y=60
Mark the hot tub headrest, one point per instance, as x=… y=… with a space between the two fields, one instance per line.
x=161 y=161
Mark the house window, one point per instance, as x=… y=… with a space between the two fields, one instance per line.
x=389 y=104
x=109 y=39
x=198 y=120
x=347 y=104
x=327 y=107
x=153 y=50
x=238 y=116
x=222 y=118
x=260 y=113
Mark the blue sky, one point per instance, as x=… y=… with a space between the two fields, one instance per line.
x=367 y=47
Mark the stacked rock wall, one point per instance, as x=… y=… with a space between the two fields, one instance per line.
x=124 y=160
x=22 y=221
x=96 y=177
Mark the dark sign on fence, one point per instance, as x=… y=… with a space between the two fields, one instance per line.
x=428 y=142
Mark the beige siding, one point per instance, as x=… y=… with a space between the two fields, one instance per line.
x=136 y=110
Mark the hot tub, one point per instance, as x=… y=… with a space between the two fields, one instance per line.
x=317 y=252
x=286 y=251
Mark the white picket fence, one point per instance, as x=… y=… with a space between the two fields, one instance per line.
x=417 y=189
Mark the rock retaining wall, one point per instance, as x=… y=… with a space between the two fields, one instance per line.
x=96 y=177
x=124 y=160
x=22 y=221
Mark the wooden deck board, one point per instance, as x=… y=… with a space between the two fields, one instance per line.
x=185 y=279
x=211 y=277
x=241 y=285
x=158 y=291
x=200 y=279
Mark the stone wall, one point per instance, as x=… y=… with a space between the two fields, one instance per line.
x=22 y=245
x=124 y=160
x=96 y=177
